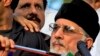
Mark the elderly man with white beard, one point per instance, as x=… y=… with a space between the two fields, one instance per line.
x=74 y=22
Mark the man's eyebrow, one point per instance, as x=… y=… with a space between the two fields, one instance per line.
x=39 y=4
x=25 y=5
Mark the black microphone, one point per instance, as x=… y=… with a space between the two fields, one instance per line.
x=83 y=50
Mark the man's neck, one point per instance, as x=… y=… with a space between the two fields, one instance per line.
x=6 y=20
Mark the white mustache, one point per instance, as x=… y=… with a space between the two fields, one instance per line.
x=59 y=42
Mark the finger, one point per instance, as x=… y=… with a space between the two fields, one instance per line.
x=35 y=26
x=12 y=44
x=24 y=25
x=4 y=53
x=1 y=52
x=21 y=20
x=7 y=44
x=26 y=28
x=2 y=41
x=29 y=25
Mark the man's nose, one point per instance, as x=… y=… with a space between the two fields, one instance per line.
x=33 y=10
x=59 y=34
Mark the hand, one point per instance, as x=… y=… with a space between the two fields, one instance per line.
x=27 y=24
x=5 y=45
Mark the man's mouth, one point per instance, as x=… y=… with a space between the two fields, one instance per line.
x=57 y=44
x=33 y=18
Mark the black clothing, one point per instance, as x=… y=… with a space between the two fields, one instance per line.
x=5 y=32
x=46 y=38
x=28 y=39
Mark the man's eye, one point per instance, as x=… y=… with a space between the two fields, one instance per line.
x=38 y=7
x=55 y=27
x=68 y=29
x=25 y=6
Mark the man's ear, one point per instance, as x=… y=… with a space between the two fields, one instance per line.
x=89 y=42
x=7 y=2
x=97 y=4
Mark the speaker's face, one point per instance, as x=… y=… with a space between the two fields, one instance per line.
x=65 y=36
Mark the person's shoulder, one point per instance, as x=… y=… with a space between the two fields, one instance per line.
x=45 y=36
x=33 y=37
x=31 y=34
x=37 y=39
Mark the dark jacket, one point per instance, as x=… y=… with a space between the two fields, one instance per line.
x=28 y=39
x=46 y=38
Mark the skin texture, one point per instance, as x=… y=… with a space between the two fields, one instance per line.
x=5 y=46
x=5 y=24
x=33 y=17
x=64 y=41
x=34 y=12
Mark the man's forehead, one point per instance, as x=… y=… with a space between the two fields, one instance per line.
x=30 y=1
x=67 y=22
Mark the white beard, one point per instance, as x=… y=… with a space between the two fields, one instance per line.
x=59 y=49
x=56 y=50
x=64 y=53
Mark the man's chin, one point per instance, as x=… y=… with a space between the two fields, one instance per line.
x=58 y=51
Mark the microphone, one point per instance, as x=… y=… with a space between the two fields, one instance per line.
x=83 y=50
x=32 y=50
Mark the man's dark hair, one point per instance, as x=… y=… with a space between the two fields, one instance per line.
x=14 y=4
x=45 y=3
